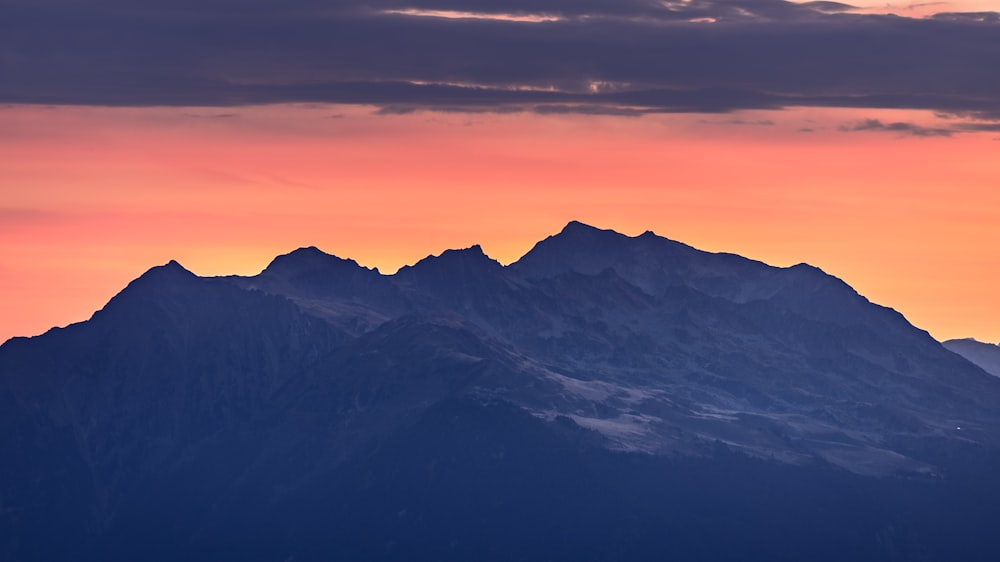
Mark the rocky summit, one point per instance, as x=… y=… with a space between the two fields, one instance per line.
x=605 y=397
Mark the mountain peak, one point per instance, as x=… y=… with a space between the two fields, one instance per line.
x=309 y=258
x=454 y=274
x=308 y=251
x=170 y=271
x=303 y=254
x=575 y=229
x=577 y=226
x=577 y=247
x=171 y=277
x=471 y=256
x=472 y=252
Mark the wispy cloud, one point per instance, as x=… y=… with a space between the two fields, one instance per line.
x=903 y=128
x=978 y=127
x=752 y=123
x=947 y=129
x=212 y=115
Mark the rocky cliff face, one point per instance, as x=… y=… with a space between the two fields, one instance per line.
x=591 y=401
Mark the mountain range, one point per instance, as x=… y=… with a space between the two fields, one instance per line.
x=605 y=397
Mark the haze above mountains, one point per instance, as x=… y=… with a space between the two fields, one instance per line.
x=604 y=397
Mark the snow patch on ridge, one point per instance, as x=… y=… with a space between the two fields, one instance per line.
x=600 y=391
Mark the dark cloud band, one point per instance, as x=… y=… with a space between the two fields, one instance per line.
x=593 y=56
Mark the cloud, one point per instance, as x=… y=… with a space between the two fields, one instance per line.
x=552 y=109
x=978 y=127
x=623 y=57
x=756 y=123
x=212 y=116
x=912 y=129
x=909 y=129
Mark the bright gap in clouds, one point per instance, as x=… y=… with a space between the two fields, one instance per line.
x=925 y=9
x=907 y=9
x=455 y=14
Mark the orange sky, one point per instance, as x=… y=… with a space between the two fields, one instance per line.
x=91 y=197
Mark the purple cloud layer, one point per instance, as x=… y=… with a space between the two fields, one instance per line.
x=621 y=57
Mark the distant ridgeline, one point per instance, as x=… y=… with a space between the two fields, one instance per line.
x=604 y=398
x=985 y=355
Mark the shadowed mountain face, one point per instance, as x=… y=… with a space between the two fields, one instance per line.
x=605 y=397
x=985 y=355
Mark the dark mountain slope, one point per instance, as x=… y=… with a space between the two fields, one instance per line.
x=96 y=412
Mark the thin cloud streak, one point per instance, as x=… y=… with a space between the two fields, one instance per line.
x=913 y=129
x=900 y=127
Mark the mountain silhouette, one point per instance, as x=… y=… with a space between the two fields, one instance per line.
x=985 y=355
x=605 y=397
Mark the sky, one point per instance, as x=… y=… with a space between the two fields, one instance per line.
x=862 y=139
